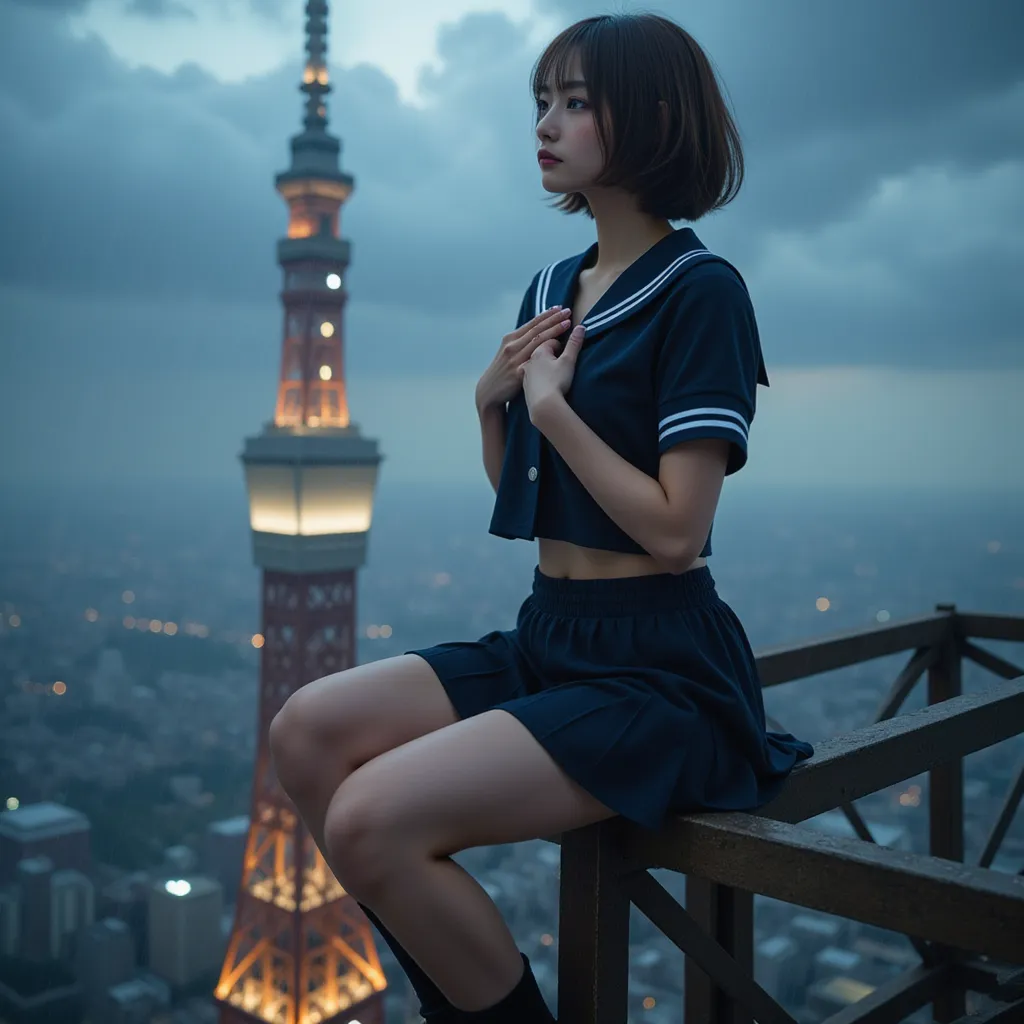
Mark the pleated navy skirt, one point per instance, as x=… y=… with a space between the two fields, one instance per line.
x=644 y=690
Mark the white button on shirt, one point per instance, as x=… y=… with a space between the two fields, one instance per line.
x=532 y=473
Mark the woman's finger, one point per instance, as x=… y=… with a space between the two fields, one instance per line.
x=541 y=337
x=538 y=323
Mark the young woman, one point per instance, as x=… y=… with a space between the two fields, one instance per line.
x=610 y=417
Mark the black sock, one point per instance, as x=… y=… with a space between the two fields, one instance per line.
x=523 y=1005
x=432 y=999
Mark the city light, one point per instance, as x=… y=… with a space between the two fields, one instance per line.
x=327 y=329
x=333 y=281
x=128 y=596
x=91 y=615
x=650 y=1002
x=882 y=616
x=547 y=940
x=822 y=604
x=128 y=622
x=14 y=621
x=322 y=76
x=60 y=688
x=177 y=887
x=13 y=803
x=385 y=631
x=258 y=640
x=911 y=797
x=325 y=373
x=170 y=628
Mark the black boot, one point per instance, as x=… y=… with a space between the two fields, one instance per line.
x=523 y=1005
x=434 y=1006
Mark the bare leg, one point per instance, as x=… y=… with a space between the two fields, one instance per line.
x=333 y=725
x=394 y=822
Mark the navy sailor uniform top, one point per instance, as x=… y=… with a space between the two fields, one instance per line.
x=671 y=353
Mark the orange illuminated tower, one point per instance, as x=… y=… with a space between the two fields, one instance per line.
x=301 y=950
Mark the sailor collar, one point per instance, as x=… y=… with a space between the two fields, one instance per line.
x=641 y=282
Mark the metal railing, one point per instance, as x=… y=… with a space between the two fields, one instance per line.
x=965 y=921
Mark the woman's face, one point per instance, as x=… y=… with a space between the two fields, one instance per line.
x=567 y=131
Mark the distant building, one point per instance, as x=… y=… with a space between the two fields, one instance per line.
x=223 y=850
x=44 y=830
x=832 y=961
x=780 y=969
x=179 y=860
x=104 y=957
x=813 y=932
x=52 y=907
x=72 y=908
x=127 y=898
x=136 y=1001
x=39 y=991
x=827 y=997
x=10 y=921
x=185 y=938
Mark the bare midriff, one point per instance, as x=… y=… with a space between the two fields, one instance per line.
x=562 y=560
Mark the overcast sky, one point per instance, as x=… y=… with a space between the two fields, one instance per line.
x=880 y=228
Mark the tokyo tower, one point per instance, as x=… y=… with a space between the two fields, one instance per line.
x=301 y=951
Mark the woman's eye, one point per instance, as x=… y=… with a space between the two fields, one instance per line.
x=576 y=99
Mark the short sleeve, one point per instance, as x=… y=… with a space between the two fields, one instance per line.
x=709 y=365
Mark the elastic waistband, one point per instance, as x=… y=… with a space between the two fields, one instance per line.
x=630 y=595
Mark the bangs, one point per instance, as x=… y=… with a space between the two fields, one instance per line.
x=552 y=67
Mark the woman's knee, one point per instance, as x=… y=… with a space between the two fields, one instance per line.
x=362 y=840
x=297 y=737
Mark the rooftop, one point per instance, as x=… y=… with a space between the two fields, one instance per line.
x=41 y=821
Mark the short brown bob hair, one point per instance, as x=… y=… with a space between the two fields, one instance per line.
x=682 y=160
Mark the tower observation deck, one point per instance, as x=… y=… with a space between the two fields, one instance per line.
x=301 y=951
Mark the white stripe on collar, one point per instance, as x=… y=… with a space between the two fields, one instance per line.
x=543 y=283
x=623 y=307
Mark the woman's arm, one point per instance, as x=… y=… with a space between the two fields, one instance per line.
x=492 y=431
x=670 y=517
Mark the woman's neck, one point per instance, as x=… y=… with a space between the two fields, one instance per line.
x=624 y=232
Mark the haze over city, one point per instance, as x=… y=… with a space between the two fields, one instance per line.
x=880 y=230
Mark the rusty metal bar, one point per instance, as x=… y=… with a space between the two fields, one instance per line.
x=921 y=660
x=986 y=659
x=932 y=898
x=726 y=915
x=677 y=924
x=781 y=664
x=1000 y=1013
x=593 y=927
x=866 y=760
x=1002 y=825
x=946 y=796
x=991 y=627
x=896 y=999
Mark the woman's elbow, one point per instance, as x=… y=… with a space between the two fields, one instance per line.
x=676 y=554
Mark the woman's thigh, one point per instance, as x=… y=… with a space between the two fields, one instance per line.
x=362 y=712
x=483 y=781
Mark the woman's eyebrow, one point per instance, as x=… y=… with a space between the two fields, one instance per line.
x=576 y=83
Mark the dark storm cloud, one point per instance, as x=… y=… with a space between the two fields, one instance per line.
x=162 y=185
x=158 y=188
x=830 y=96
